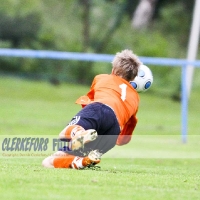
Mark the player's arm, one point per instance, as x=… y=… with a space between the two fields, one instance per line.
x=126 y=133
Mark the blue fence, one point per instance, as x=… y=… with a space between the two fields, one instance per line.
x=41 y=54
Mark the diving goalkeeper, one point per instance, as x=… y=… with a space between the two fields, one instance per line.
x=107 y=118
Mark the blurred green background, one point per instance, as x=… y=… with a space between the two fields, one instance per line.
x=105 y=26
x=94 y=26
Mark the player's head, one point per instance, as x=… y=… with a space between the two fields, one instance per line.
x=125 y=64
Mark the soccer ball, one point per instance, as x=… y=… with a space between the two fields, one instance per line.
x=143 y=80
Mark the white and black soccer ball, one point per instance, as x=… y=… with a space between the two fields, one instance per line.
x=143 y=80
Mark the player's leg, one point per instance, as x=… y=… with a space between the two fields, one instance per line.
x=93 y=158
x=108 y=128
x=64 y=160
x=97 y=117
x=78 y=136
x=49 y=161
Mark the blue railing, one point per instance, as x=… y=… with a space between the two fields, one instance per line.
x=41 y=54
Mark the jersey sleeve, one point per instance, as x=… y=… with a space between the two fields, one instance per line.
x=126 y=133
x=83 y=101
x=86 y=99
x=90 y=94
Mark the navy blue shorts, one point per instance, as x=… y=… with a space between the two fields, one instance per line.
x=101 y=118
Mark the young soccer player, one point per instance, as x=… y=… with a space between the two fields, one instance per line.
x=107 y=118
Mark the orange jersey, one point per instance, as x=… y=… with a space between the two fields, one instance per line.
x=118 y=94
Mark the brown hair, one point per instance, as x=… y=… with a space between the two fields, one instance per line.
x=125 y=64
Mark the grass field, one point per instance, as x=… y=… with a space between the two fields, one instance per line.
x=155 y=165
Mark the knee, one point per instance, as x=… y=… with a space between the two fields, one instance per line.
x=48 y=162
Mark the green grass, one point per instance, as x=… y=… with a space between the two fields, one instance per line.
x=155 y=165
x=117 y=179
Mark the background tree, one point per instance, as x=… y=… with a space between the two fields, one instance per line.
x=92 y=26
x=143 y=13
